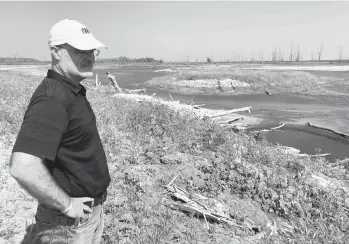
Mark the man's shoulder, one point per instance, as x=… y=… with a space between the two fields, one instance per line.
x=53 y=89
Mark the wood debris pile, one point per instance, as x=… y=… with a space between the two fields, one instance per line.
x=213 y=211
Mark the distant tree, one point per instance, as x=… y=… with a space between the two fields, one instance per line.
x=275 y=55
x=320 y=51
x=340 y=52
x=281 y=55
x=298 y=56
x=261 y=56
x=291 y=55
x=208 y=60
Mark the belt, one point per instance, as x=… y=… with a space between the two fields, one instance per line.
x=101 y=199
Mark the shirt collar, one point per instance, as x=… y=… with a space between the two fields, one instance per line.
x=76 y=88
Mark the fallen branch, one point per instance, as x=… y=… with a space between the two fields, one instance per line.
x=169 y=184
x=198 y=106
x=232 y=120
x=278 y=127
x=313 y=156
x=138 y=91
x=113 y=81
x=322 y=128
x=212 y=210
x=232 y=111
x=238 y=126
x=117 y=87
x=98 y=83
x=208 y=227
x=271 y=129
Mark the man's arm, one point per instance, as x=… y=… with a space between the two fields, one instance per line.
x=32 y=174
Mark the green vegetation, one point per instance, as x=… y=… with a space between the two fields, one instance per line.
x=148 y=144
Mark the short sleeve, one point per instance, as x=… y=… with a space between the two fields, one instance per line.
x=44 y=124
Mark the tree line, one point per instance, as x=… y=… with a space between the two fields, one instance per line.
x=124 y=59
x=294 y=54
x=20 y=61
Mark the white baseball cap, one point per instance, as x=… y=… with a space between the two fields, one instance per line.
x=73 y=33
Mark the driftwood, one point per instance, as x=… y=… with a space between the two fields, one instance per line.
x=312 y=156
x=322 y=128
x=271 y=129
x=138 y=91
x=98 y=83
x=113 y=81
x=198 y=106
x=211 y=209
x=232 y=120
x=192 y=204
x=123 y=90
x=232 y=111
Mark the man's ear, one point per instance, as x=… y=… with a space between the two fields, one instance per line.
x=54 y=53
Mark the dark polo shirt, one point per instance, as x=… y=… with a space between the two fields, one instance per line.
x=60 y=127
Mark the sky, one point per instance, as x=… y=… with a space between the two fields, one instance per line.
x=183 y=31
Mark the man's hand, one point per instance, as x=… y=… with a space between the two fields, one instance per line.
x=78 y=208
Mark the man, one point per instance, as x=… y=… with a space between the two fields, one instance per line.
x=58 y=156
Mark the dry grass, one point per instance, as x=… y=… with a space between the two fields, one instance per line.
x=148 y=143
x=259 y=80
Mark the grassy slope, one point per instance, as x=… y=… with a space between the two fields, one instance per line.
x=148 y=144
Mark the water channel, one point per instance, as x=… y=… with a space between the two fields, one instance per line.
x=273 y=109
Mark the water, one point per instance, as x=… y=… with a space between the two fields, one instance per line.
x=311 y=143
x=130 y=79
x=261 y=103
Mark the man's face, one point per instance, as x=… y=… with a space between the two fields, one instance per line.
x=75 y=63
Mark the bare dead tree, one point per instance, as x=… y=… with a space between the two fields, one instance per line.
x=280 y=55
x=340 y=52
x=320 y=51
x=275 y=55
x=291 y=55
x=298 y=56
x=261 y=56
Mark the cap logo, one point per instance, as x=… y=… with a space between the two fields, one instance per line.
x=84 y=30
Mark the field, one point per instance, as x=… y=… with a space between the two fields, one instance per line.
x=269 y=194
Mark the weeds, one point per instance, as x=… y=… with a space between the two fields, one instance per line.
x=259 y=80
x=147 y=144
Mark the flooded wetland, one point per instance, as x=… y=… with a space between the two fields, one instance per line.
x=325 y=103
